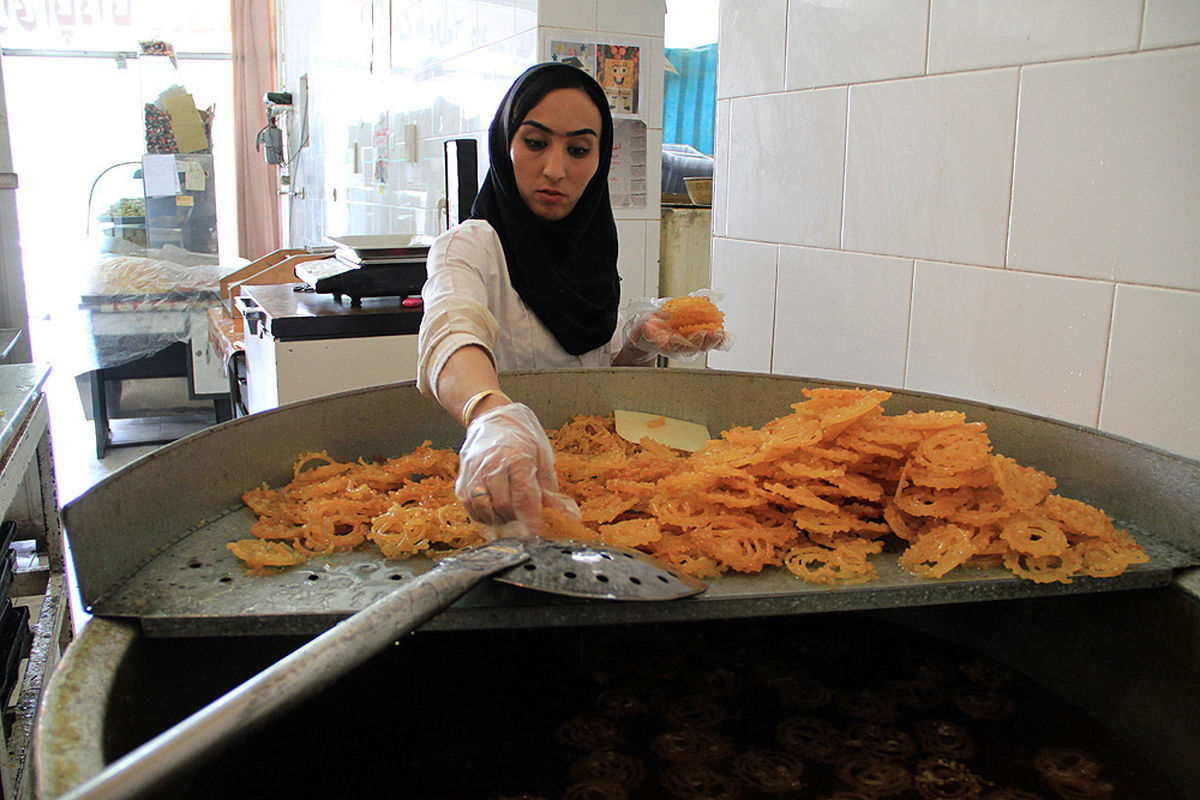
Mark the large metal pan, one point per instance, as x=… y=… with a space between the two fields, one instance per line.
x=149 y=542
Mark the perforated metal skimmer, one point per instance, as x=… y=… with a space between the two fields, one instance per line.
x=613 y=573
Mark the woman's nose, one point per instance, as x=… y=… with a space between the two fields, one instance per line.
x=555 y=163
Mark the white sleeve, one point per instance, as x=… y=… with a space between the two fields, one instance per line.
x=455 y=301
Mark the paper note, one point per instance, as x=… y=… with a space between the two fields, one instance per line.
x=159 y=175
x=193 y=178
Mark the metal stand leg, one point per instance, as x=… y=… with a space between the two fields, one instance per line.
x=99 y=411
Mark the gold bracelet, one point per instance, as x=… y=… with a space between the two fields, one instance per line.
x=469 y=407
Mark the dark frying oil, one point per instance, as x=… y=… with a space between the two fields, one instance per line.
x=523 y=714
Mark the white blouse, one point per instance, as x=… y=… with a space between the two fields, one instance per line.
x=469 y=300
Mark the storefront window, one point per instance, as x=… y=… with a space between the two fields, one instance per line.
x=75 y=92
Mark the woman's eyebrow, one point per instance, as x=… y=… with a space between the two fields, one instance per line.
x=541 y=127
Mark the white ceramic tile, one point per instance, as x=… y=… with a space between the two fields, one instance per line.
x=750 y=47
x=928 y=167
x=567 y=14
x=785 y=167
x=653 y=82
x=1171 y=22
x=990 y=33
x=1153 y=376
x=1107 y=178
x=721 y=157
x=854 y=41
x=654 y=143
x=631 y=260
x=827 y=326
x=653 y=245
x=638 y=17
x=744 y=274
x=1019 y=340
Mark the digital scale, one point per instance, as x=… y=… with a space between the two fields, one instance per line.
x=352 y=322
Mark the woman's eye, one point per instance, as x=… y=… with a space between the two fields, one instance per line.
x=579 y=151
x=534 y=144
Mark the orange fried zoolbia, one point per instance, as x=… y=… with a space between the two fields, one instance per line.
x=818 y=491
x=693 y=314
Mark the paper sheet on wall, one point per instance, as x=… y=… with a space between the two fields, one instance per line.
x=160 y=175
x=194 y=179
x=627 y=173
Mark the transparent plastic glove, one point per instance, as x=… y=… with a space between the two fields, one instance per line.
x=648 y=331
x=506 y=472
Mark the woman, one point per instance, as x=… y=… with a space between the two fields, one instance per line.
x=530 y=282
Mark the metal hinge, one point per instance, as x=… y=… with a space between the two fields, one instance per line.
x=8 y=180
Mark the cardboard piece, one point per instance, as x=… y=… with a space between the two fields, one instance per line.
x=186 y=124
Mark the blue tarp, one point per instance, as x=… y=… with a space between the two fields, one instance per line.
x=690 y=97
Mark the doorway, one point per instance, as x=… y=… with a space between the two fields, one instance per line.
x=76 y=86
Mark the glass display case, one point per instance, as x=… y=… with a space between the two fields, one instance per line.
x=156 y=271
x=187 y=216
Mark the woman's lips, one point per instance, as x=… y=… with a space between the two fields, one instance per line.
x=551 y=196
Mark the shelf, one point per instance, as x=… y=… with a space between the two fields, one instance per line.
x=28 y=497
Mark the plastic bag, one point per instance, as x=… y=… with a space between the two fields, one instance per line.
x=648 y=331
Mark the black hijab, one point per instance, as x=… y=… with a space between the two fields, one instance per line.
x=565 y=270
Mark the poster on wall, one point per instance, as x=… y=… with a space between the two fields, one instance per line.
x=627 y=173
x=577 y=54
x=616 y=66
x=618 y=74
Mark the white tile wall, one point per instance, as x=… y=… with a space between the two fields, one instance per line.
x=1107 y=179
x=631 y=260
x=568 y=14
x=827 y=326
x=751 y=47
x=1154 y=368
x=1042 y=170
x=787 y=158
x=1015 y=339
x=990 y=33
x=744 y=275
x=639 y=17
x=722 y=157
x=928 y=164
x=1171 y=22
x=854 y=41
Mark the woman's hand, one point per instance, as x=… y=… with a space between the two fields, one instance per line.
x=656 y=333
x=506 y=471
x=650 y=335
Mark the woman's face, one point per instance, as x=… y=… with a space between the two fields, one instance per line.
x=555 y=152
